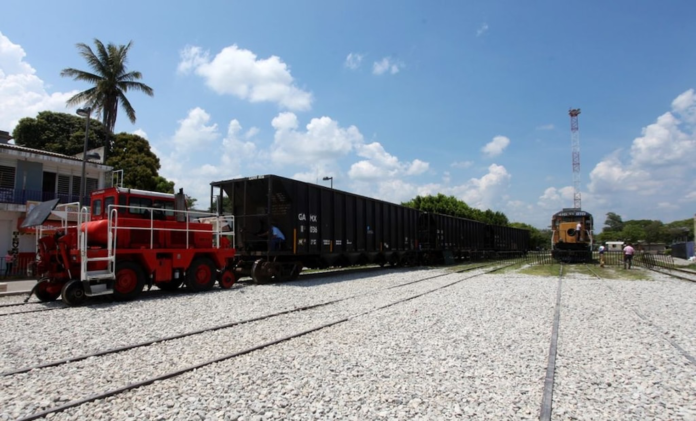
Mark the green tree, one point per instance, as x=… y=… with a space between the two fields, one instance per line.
x=450 y=205
x=538 y=239
x=58 y=132
x=110 y=81
x=632 y=233
x=140 y=165
x=654 y=232
x=613 y=222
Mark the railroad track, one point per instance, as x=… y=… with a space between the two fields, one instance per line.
x=683 y=274
x=157 y=293
x=97 y=357
x=659 y=331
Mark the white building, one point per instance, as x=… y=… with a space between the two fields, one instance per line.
x=29 y=176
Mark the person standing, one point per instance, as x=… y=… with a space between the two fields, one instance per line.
x=628 y=252
x=9 y=262
x=601 y=255
x=578 y=230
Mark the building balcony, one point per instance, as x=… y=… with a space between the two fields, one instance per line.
x=21 y=197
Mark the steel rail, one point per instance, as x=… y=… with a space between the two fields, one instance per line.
x=214 y=328
x=179 y=372
x=547 y=396
x=658 y=329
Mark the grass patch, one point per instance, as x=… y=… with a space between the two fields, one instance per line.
x=618 y=272
x=542 y=270
x=608 y=272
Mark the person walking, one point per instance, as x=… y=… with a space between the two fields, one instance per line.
x=601 y=255
x=9 y=262
x=628 y=252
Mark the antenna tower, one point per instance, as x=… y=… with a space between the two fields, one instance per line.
x=575 y=144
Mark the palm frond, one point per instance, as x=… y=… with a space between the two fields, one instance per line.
x=130 y=112
x=136 y=86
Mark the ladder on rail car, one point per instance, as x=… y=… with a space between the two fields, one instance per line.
x=108 y=274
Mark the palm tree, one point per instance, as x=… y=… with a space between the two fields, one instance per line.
x=111 y=80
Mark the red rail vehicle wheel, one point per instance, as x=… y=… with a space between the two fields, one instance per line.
x=47 y=291
x=73 y=294
x=129 y=281
x=200 y=276
x=227 y=279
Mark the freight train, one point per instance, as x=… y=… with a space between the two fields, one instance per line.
x=325 y=227
x=265 y=227
x=572 y=239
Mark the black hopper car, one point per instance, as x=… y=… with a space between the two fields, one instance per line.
x=325 y=227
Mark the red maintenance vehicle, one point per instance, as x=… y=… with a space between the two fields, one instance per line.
x=129 y=238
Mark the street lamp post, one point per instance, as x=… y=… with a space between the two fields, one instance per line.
x=329 y=178
x=84 y=112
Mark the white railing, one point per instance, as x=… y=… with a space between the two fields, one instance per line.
x=222 y=226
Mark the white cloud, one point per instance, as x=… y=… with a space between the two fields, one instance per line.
x=387 y=64
x=353 y=61
x=323 y=141
x=238 y=72
x=193 y=132
x=658 y=169
x=484 y=192
x=482 y=29
x=22 y=93
x=554 y=198
x=380 y=165
x=546 y=127
x=462 y=164
x=141 y=133
x=496 y=146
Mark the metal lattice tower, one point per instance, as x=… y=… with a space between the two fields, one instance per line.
x=575 y=144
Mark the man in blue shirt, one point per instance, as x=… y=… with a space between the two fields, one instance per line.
x=277 y=238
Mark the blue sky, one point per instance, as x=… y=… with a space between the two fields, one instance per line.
x=393 y=98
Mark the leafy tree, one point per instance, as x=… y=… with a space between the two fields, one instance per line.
x=633 y=233
x=133 y=155
x=613 y=222
x=538 y=239
x=450 y=205
x=59 y=132
x=654 y=232
x=163 y=185
x=190 y=202
x=111 y=80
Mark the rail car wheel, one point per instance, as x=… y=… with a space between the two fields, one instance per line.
x=46 y=291
x=227 y=279
x=172 y=285
x=201 y=275
x=262 y=271
x=73 y=294
x=129 y=281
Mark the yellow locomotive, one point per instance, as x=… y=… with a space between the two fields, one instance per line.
x=572 y=235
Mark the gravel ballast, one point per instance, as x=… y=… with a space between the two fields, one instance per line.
x=476 y=350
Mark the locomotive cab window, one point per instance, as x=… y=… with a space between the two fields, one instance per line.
x=97 y=207
x=167 y=206
x=108 y=201
x=138 y=204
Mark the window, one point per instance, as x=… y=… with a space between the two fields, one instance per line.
x=168 y=206
x=108 y=201
x=7 y=177
x=64 y=184
x=97 y=207
x=139 y=202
